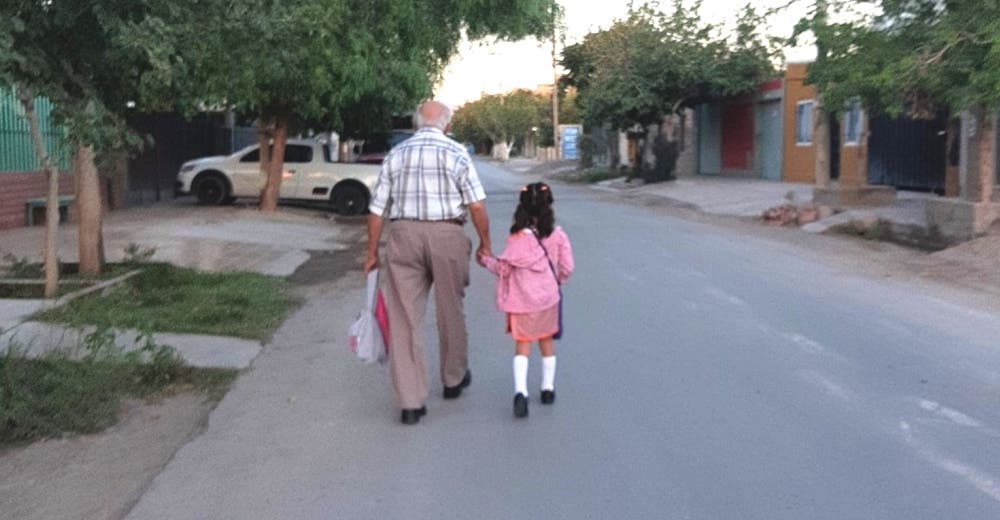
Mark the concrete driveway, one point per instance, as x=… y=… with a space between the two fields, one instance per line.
x=228 y=238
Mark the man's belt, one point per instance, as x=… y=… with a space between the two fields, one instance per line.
x=456 y=221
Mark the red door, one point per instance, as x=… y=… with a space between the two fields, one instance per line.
x=737 y=137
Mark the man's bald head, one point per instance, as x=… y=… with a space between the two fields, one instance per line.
x=432 y=114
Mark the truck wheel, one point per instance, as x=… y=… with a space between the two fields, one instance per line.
x=212 y=189
x=349 y=200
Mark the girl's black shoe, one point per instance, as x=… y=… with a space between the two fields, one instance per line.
x=548 y=396
x=520 y=405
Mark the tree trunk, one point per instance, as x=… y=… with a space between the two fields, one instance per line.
x=863 y=144
x=51 y=263
x=272 y=186
x=501 y=150
x=265 y=132
x=614 y=150
x=952 y=137
x=648 y=153
x=89 y=211
x=821 y=141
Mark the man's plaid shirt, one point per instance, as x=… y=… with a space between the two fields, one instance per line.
x=426 y=177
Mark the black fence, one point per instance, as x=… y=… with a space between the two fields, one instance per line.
x=170 y=140
x=908 y=154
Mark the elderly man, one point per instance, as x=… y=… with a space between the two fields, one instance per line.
x=427 y=189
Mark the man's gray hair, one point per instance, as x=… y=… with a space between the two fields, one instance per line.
x=440 y=122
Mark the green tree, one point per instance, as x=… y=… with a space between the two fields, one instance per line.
x=322 y=63
x=502 y=119
x=915 y=58
x=89 y=77
x=569 y=114
x=9 y=75
x=647 y=66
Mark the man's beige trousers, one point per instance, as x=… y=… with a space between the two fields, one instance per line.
x=420 y=254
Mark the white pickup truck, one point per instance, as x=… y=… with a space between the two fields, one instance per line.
x=310 y=174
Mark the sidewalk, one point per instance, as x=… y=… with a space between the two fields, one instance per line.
x=229 y=238
x=205 y=238
x=719 y=196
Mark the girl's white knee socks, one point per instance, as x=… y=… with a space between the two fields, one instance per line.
x=521 y=374
x=549 y=373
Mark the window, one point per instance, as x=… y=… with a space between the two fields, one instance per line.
x=804 y=123
x=296 y=153
x=854 y=121
x=251 y=156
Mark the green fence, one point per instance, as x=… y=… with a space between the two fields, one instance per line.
x=16 y=151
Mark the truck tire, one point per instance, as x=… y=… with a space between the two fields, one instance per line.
x=212 y=189
x=349 y=200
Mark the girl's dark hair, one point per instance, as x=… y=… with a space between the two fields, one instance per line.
x=534 y=210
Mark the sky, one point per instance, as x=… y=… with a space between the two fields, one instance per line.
x=488 y=67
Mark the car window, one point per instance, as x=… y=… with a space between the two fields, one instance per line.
x=251 y=156
x=296 y=153
x=327 y=154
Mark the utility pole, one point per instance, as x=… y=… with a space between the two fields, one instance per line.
x=555 y=89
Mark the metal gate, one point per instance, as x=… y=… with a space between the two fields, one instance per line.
x=907 y=153
x=170 y=141
x=769 y=139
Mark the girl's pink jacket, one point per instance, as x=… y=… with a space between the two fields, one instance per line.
x=526 y=282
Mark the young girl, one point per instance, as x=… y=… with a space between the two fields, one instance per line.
x=535 y=262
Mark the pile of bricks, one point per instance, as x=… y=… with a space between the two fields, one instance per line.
x=790 y=215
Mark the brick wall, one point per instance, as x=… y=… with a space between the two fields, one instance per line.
x=16 y=188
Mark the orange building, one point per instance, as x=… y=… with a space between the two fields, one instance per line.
x=799 y=161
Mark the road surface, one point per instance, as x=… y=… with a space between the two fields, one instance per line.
x=704 y=374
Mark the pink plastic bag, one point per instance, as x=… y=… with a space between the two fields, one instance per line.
x=366 y=338
x=382 y=317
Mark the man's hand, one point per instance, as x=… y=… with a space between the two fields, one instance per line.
x=371 y=263
x=477 y=210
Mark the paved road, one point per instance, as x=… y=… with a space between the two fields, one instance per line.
x=703 y=375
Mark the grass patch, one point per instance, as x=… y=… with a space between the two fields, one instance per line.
x=592 y=175
x=68 y=392
x=24 y=269
x=164 y=298
x=36 y=291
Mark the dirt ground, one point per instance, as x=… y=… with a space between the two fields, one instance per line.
x=100 y=476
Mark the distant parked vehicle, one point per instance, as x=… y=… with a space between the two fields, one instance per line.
x=375 y=150
x=310 y=174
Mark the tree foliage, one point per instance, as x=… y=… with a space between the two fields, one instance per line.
x=77 y=54
x=915 y=57
x=89 y=77
x=499 y=118
x=651 y=63
x=343 y=65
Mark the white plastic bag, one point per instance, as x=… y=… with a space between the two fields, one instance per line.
x=366 y=336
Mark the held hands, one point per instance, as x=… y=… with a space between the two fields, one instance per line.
x=482 y=253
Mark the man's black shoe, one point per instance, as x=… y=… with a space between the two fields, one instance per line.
x=452 y=392
x=548 y=396
x=520 y=405
x=412 y=415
